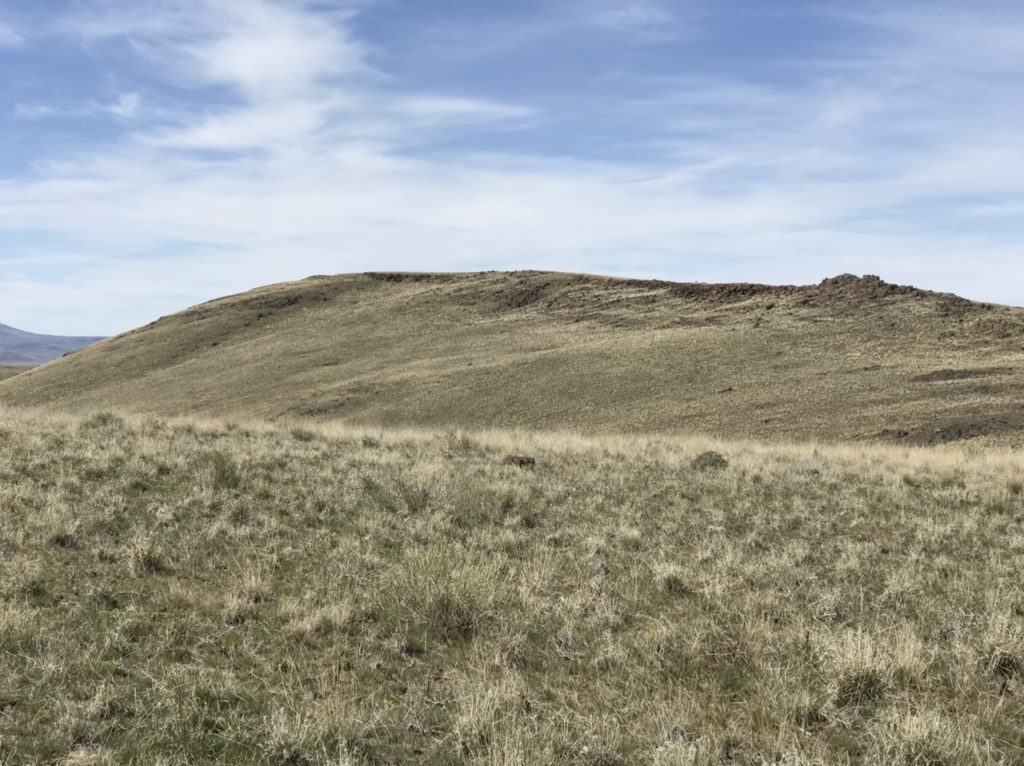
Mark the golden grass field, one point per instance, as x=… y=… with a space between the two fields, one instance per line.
x=185 y=592
x=849 y=359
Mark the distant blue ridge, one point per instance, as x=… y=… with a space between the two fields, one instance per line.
x=18 y=347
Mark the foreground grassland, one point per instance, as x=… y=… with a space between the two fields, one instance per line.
x=178 y=593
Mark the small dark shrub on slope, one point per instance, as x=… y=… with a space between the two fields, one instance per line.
x=709 y=461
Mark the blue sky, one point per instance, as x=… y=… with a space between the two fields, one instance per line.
x=157 y=153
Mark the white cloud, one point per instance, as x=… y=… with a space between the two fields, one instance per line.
x=627 y=14
x=263 y=48
x=272 y=52
x=9 y=37
x=33 y=111
x=850 y=107
x=256 y=127
x=448 y=108
x=125 y=106
x=358 y=209
x=301 y=77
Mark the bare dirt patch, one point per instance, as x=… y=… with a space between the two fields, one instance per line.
x=941 y=376
x=969 y=426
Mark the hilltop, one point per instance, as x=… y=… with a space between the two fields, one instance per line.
x=849 y=358
x=24 y=349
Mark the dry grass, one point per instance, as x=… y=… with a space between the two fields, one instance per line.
x=847 y=360
x=188 y=592
x=10 y=372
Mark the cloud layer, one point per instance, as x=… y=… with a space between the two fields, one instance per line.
x=234 y=143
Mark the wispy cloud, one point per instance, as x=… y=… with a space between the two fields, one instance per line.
x=980 y=36
x=552 y=23
x=33 y=111
x=261 y=126
x=268 y=141
x=459 y=109
x=626 y=14
x=260 y=48
x=124 y=106
x=9 y=37
x=295 y=74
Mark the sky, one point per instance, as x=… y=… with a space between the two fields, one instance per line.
x=158 y=153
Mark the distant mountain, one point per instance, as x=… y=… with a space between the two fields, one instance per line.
x=18 y=347
x=850 y=358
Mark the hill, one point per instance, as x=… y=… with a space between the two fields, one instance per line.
x=849 y=358
x=20 y=348
x=173 y=592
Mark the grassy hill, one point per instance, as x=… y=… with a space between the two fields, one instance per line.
x=173 y=592
x=850 y=358
x=20 y=348
x=10 y=372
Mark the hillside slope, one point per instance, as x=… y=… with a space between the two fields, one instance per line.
x=9 y=372
x=850 y=358
x=20 y=348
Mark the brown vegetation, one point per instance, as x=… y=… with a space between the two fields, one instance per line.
x=185 y=592
x=10 y=372
x=849 y=359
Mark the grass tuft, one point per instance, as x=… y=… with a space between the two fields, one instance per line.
x=861 y=690
x=148 y=558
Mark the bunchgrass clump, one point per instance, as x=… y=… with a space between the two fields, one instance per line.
x=860 y=690
x=709 y=460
